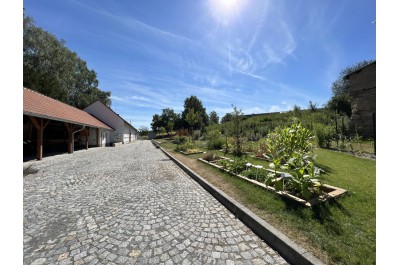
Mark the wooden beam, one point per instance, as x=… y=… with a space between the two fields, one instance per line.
x=47 y=123
x=34 y=122
x=38 y=123
x=70 y=141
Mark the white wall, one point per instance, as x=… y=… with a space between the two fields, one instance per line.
x=92 y=137
x=109 y=117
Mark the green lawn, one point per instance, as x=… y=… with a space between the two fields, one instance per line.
x=342 y=231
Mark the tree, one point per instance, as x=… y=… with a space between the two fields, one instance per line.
x=213 y=118
x=194 y=103
x=297 y=111
x=226 y=118
x=143 y=131
x=50 y=68
x=237 y=117
x=156 y=123
x=168 y=119
x=340 y=100
x=192 y=118
x=312 y=106
x=340 y=104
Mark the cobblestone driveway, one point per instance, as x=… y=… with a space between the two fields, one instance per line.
x=129 y=205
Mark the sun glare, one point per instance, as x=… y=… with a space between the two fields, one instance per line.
x=225 y=10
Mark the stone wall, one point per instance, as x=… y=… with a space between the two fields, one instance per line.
x=363 y=100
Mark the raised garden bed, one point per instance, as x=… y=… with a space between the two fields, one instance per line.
x=263 y=157
x=328 y=191
x=190 y=153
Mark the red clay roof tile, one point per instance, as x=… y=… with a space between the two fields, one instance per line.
x=38 y=105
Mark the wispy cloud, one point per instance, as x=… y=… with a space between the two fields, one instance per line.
x=133 y=23
x=260 y=25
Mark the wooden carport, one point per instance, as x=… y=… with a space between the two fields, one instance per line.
x=41 y=110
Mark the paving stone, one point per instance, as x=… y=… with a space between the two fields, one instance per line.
x=39 y=261
x=129 y=205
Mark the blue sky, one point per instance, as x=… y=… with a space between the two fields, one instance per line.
x=260 y=55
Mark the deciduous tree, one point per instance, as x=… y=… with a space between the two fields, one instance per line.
x=50 y=68
x=194 y=103
x=214 y=118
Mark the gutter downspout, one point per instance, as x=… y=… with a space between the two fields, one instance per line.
x=73 y=137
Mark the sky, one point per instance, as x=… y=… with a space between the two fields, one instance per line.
x=260 y=55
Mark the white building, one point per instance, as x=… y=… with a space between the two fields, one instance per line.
x=123 y=132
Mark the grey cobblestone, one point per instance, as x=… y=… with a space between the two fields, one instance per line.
x=129 y=205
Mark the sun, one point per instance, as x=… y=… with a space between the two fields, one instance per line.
x=225 y=10
x=226 y=5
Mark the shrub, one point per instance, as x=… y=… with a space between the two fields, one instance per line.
x=325 y=134
x=210 y=157
x=196 y=135
x=215 y=140
x=184 y=147
x=256 y=174
x=180 y=139
x=238 y=165
x=283 y=143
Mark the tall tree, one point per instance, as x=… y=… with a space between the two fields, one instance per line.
x=213 y=118
x=340 y=100
x=312 y=106
x=226 y=118
x=156 y=123
x=192 y=118
x=50 y=68
x=168 y=119
x=237 y=117
x=194 y=103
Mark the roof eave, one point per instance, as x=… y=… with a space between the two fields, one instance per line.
x=64 y=120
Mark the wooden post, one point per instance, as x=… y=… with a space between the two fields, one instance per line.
x=39 y=131
x=70 y=142
x=86 y=138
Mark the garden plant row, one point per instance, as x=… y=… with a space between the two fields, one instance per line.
x=275 y=181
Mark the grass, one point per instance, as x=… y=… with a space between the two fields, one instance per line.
x=365 y=146
x=342 y=231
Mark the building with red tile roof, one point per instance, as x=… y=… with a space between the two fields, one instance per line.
x=123 y=132
x=41 y=106
x=63 y=123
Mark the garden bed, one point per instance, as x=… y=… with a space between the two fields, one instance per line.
x=157 y=142
x=264 y=158
x=189 y=153
x=328 y=191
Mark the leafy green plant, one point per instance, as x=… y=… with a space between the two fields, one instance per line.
x=238 y=165
x=211 y=157
x=324 y=134
x=226 y=164
x=186 y=147
x=283 y=143
x=180 y=139
x=304 y=181
x=257 y=174
x=215 y=140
